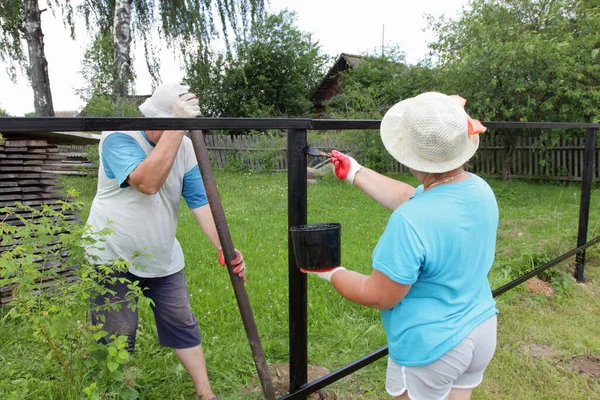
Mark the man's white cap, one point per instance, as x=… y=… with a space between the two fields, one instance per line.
x=161 y=103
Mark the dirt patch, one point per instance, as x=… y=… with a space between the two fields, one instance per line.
x=280 y=374
x=587 y=366
x=538 y=286
x=536 y=350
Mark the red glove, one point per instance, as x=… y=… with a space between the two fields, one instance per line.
x=239 y=266
x=345 y=167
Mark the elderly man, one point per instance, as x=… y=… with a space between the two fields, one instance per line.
x=141 y=178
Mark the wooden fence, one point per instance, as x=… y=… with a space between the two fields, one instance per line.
x=529 y=157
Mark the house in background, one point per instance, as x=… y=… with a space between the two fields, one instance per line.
x=329 y=85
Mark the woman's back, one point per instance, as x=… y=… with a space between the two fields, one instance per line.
x=442 y=242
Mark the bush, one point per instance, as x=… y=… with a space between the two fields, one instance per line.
x=43 y=257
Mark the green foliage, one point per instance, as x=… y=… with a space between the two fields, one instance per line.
x=368 y=90
x=43 y=244
x=523 y=60
x=104 y=105
x=3 y=113
x=97 y=67
x=376 y=83
x=269 y=74
x=93 y=157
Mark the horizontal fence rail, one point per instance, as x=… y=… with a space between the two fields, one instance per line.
x=89 y=124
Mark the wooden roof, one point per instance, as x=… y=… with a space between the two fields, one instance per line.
x=343 y=63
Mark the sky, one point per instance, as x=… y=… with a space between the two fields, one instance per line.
x=339 y=26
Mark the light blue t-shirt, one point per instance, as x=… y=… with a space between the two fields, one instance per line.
x=442 y=242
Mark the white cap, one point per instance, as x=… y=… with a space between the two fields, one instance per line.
x=161 y=103
x=428 y=133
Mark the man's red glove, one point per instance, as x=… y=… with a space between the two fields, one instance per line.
x=345 y=167
x=239 y=266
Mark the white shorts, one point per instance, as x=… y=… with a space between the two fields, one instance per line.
x=461 y=368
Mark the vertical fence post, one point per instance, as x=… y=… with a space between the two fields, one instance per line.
x=584 y=207
x=297 y=211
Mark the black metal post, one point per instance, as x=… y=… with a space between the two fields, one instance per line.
x=584 y=208
x=298 y=305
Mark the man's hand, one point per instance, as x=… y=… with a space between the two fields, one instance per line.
x=324 y=273
x=186 y=107
x=345 y=167
x=239 y=266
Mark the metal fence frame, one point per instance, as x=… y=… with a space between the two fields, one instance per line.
x=297 y=129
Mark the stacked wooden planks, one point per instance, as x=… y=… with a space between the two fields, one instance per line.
x=27 y=176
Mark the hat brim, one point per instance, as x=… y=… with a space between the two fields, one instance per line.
x=396 y=143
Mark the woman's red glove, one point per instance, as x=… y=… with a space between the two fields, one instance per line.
x=345 y=167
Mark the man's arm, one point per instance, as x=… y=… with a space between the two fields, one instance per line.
x=149 y=176
x=206 y=221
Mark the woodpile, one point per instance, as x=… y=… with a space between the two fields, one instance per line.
x=28 y=174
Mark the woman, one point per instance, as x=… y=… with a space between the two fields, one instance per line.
x=430 y=265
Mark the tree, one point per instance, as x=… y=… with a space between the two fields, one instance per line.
x=368 y=90
x=21 y=22
x=523 y=60
x=269 y=74
x=188 y=26
x=376 y=83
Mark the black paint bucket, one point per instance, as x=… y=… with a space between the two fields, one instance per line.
x=317 y=246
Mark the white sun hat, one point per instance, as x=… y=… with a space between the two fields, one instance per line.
x=430 y=132
x=161 y=103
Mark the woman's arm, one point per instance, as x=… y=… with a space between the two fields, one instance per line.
x=376 y=291
x=388 y=192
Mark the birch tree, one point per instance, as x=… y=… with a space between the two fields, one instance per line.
x=188 y=27
x=22 y=27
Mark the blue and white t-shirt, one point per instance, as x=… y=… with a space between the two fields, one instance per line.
x=143 y=226
x=442 y=242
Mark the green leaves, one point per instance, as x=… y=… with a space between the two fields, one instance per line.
x=522 y=60
x=269 y=74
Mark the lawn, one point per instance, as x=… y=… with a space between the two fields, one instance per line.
x=543 y=341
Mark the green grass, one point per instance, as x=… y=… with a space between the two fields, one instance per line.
x=538 y=223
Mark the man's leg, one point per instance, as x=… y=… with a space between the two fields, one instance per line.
x=178 y=328
x=120 y=321
x=193 y=361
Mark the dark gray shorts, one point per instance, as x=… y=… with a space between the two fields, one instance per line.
x=176 y=324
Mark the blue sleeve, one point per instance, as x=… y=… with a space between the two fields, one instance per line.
x=193 y=189
x=399 y=254
x=121 y=154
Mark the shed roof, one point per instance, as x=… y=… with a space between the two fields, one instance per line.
x=343 y=62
